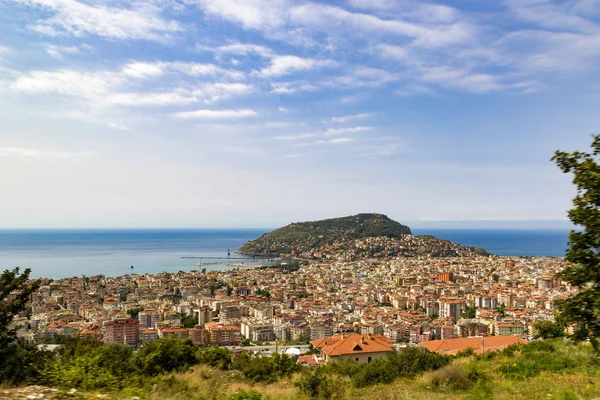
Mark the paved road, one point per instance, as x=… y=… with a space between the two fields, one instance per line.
x=303 y=348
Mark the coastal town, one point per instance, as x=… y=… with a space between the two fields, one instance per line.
x=393 y=299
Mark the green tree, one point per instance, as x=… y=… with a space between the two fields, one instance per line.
x=189 y=321
x=135 y=312
x=15 y=292
x=470 y=312
x=549 y=329
x=166 y=355
x=583 y=253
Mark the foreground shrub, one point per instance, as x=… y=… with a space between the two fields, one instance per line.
x=265 y=369
x=456 y=377
x=411 y=362
x=406 y=363
x=218 y=357
x=316 y=383
x=529 y=365
x=378 y=371
x=166 y=355
x=22 y=362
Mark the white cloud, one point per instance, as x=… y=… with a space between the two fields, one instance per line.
x=207 y=93
x=548 y=15
x=354 y=129
x=347 y=118
x=143 y=69
x=154 y=69
x=364 y=77
x=296 y=137
x=284 y=65
x=72 y=83
x=373 y=4
x=251 y=14
x=175 y=97
x=330 y=18
x=215 y=114
x=342 y=140
x=241 y=49
x=292 y=87
x=70 y=17
x=60 y=51
x=36 y=153
x=283 y=109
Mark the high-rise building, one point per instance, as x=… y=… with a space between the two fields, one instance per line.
x=121 y=331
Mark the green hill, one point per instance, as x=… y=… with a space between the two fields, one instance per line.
x=304 y=236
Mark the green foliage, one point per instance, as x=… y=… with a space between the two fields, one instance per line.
x=406 y=363
x=263 y=292
x=189 y=321
x=22 y=362
x=549 y=329
x=134 y=312
x=470 y=312
x=218 y=357
x=304 y=236
x=15 y=290
x=456 y=377
x=468 y=352
x=501 y=309
x=534 y=361
x=241 y=394
x=317 y=384
x=265 y=369
x=166 y=355
x=377 y=371
x=583 y=270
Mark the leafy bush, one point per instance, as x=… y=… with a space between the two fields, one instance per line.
x=405 y=363
x=166 y=355
x=453 y=377
x=532 y=364
x=265 y=369
x=215 y=356
x=344 y=368
x=468 y=352
x=378 y=371
x=22 y=362
x=318 y=384
x=538 y=346
x=549 y=329
x=413 y=361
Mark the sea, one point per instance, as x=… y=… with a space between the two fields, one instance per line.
x=113 y=252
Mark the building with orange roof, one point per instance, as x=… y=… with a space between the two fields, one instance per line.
x=308 y=360
x=355 y=347
x=478 y=344
x=221 y=334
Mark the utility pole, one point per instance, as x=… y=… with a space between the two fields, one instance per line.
x=482 y=344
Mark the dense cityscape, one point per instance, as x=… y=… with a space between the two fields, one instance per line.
x=409 y=300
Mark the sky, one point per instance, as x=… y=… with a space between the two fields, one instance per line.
x=256 y=113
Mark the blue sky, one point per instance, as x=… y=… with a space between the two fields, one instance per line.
x=231 y=113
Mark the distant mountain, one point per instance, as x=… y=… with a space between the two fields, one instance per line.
x=305 y=236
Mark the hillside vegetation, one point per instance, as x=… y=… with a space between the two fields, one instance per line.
x=305 y=236
x=550 y=369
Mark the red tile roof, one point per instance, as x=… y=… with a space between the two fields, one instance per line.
x=489 y=343
x=353 y=344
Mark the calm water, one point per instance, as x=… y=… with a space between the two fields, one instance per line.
x=63 y=253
